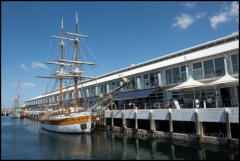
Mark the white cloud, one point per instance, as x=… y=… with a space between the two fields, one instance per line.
x=229 y=12
x=24 y=67
x=28 y=84
x=38 y=65
x=190 y=4
x=183 y=21
x=200 y=15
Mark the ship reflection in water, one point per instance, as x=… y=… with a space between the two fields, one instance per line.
x=24 y=139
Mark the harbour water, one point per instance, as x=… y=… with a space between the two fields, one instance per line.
x=24 y=139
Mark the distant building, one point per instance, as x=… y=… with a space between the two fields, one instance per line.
x=151 y=79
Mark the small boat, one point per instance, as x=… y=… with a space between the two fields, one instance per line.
x=15 y=115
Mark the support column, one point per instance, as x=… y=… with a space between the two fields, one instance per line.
x=104 y=118
x=112 y=118
x=227 y=114
x=136 y=120
x=152 y=125
x=124 y=125
x=198 y=125
x=170 y=122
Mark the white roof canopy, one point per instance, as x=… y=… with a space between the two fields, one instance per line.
x=226 y=79
x=189 y=84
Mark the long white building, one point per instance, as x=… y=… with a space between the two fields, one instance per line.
x=150 y=80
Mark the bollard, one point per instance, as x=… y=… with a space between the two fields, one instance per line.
x=229 y=134
x=170 y=122
x=136 y=120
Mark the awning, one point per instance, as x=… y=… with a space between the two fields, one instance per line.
x=135 y=94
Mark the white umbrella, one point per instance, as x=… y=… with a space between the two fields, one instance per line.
x=225 y=80
x=189 y=84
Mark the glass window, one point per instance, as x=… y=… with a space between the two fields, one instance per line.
x=235 y=63
x=80 y=93
x=158 y=79
x=87 y=92
x=219 y=66
x=138 y=80
x=96 y=91
x=183 y=74
x=146 y=81
x=152 y=80
x=107 y=88
x=208 y=69
x=168 y=74
x=113 y=86
x=176 y=75
x=197 y=71
x=133 y=82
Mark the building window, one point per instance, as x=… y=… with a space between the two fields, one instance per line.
x=96 y=91
x=176 y=75
x=133 y=82
x=158 y=79
x=113 y=86
x=107 y=88
x=183 y=74
x=87 y=92
x=208 y=69
x=168 y=75
x=197 y=71
x=146 y=81
x=138 y=84
x=152 y=80
x=235 y=63
x=219 y=66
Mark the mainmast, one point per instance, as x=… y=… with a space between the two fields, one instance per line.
x=61 y=71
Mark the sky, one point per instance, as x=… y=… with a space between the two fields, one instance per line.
x=119 y=34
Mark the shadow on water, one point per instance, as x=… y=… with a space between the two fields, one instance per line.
x=24 y=139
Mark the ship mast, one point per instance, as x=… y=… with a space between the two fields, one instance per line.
x=75 y=73
x=61 y=70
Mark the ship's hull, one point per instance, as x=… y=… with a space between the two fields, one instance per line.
x=15 y=115
x=83 y=122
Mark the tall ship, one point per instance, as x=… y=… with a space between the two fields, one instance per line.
x=72 y=119
x=69 y=120
x=16 y=113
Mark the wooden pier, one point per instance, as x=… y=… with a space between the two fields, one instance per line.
x=211 y=125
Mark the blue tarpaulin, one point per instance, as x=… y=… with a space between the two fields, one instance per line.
x=135 y=94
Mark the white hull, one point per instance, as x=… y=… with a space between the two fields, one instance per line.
x=15 y=115
x=71 y=128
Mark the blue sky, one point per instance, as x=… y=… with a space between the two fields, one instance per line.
x=120 y=34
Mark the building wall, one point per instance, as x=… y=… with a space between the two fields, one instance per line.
x=199 y=53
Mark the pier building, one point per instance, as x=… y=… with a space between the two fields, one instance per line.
x=152 y=79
